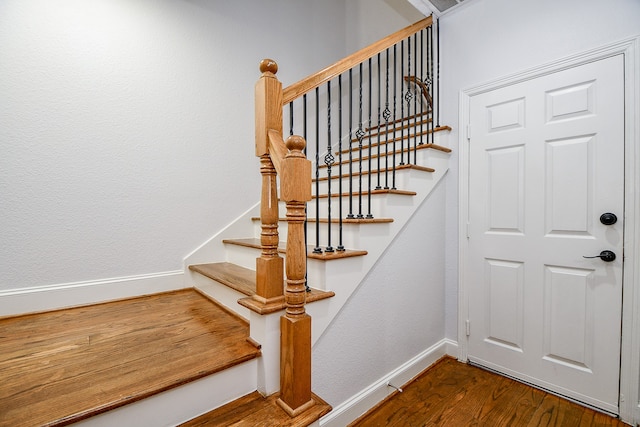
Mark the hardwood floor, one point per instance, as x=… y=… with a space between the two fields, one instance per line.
x=253 y=410
x=454 y=394
x=64 y=366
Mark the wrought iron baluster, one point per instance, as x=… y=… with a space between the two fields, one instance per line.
x=401 y=110
x=360 y=135
x=386 y=114
x=369 y=215
x=350 y=214
x=437 y=73
x=340 y=247
x=395 y=120
x=429 y=82
x=317 y=249
x=415 y=102
x=329 y=160
x=408 y=96
x=291 y=118
x=379 y=125
x=422 y=118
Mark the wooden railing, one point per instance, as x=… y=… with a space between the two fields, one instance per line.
x=288 y=160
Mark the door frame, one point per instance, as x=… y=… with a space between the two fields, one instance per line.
x=629 y=400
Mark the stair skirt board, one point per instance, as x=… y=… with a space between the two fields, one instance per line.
x=178 y=405
x=369 y=397
x=54 y=297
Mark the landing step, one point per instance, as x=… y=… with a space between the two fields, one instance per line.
x=255 y=410
x=63 y=366
x=326 y=256
x=243 y=280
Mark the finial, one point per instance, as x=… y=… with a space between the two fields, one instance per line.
x=268 y=65
x=295 y=143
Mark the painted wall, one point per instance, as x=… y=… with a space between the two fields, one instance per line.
x=126 y=133
x=487 y=39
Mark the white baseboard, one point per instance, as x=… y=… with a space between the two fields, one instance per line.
x=366 y=399
x=52 y=297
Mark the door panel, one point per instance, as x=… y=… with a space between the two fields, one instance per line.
x=546 y=160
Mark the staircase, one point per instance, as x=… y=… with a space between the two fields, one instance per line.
x=218 y=343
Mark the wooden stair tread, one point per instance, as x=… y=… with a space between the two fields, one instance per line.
x=256 y=410
x=244 y=281
x=239 y=278
x=390 y=153
x=375 y=171
x=255 y=243
x=337 y=220
x=376 y=191
x=64 y=366
x=371 y=144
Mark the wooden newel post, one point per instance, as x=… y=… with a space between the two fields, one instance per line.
x=269 y=266
x=295 y=325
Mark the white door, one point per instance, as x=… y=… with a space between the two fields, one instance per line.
x=546 y=160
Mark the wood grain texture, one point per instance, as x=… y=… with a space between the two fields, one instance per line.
x=378 y=171
x=243 y=280
x=253 y=410
x=234 y=276
x=311 y=82
x=255 y=243
x=63 y=366
x=451 y=393
x=269 y=265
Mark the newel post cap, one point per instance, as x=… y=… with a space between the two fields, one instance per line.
x=295 y=182
x=268 y=65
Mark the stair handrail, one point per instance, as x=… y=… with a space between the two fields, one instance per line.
x=313 y=81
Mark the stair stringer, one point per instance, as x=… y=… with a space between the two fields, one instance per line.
x=343 y=276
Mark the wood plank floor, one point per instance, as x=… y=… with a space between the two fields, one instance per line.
x=253 y=410
x=63 y=366
x=454 y=394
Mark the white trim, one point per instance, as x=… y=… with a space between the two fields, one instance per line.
x=629 y=410
x=52 y=297
x=366 y=399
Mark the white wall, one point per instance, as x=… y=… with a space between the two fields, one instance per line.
x=487 y=39
x=126 y=136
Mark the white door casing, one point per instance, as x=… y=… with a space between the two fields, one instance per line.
x=565 y=355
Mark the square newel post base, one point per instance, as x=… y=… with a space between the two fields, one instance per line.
x=269 y=279
x=295 y=364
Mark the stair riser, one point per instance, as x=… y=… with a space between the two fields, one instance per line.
x=223 y=294
x=357 y=182
x=183 y=403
